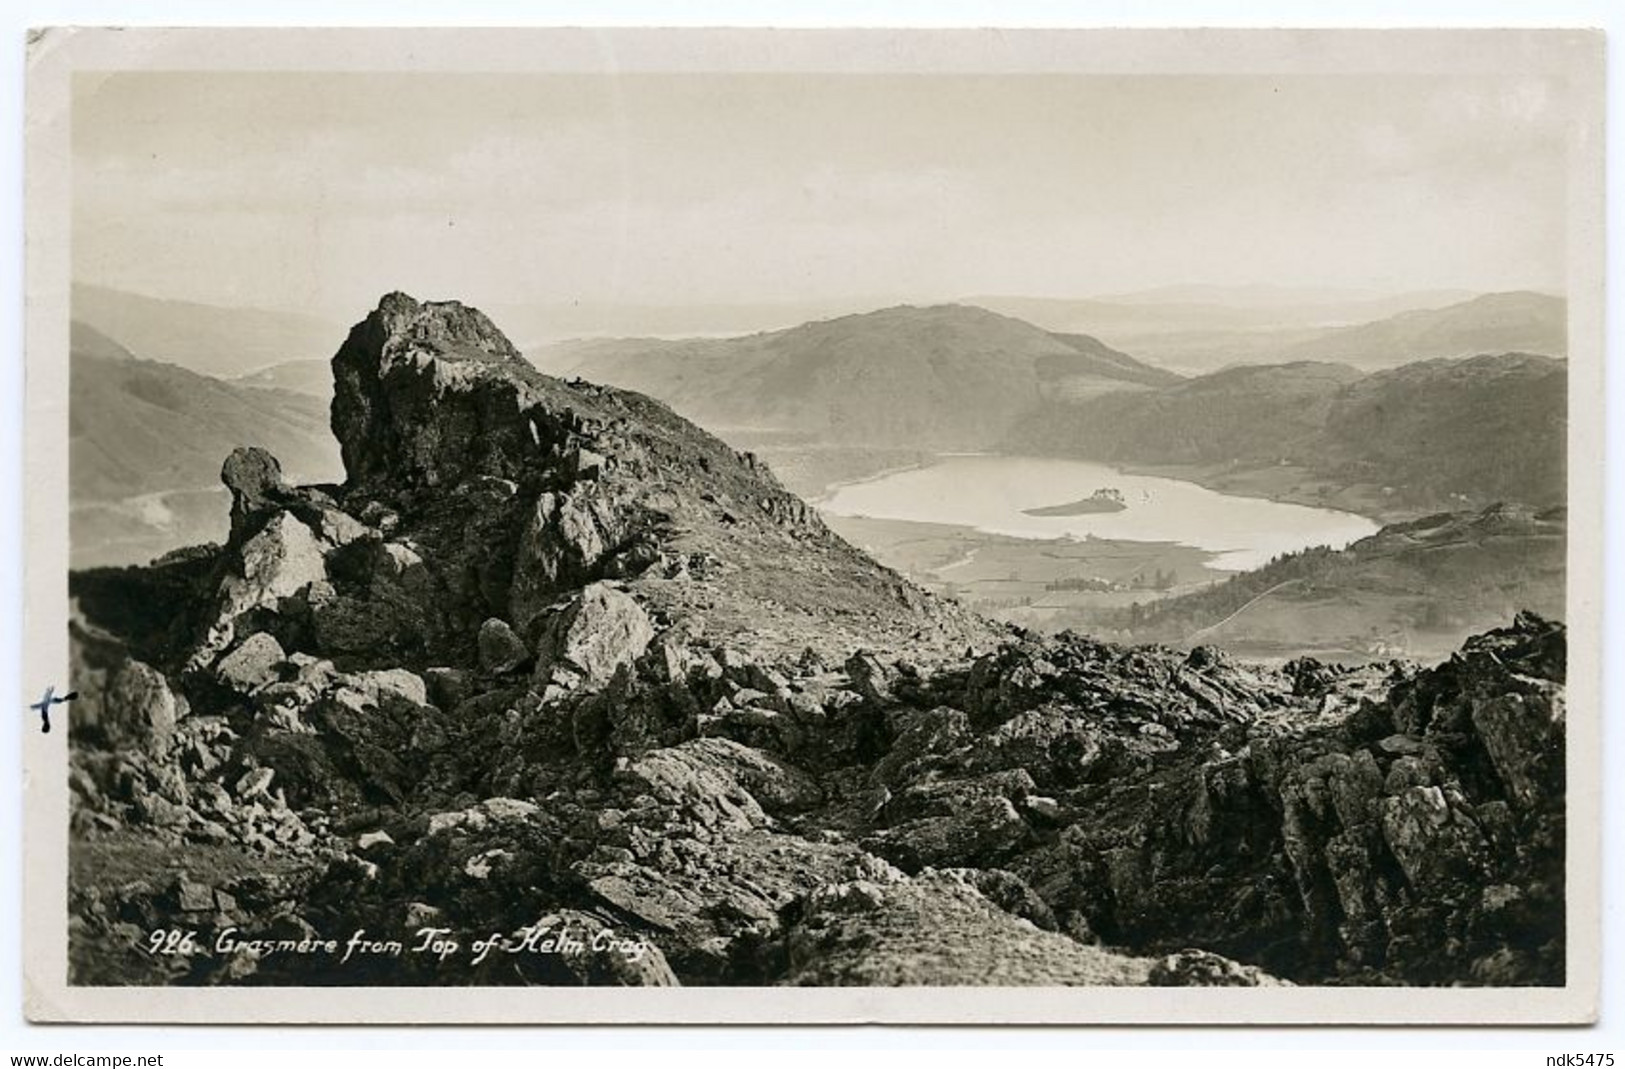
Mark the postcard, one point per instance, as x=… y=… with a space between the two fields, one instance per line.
x=742 y=525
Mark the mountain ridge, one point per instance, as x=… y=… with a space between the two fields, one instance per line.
x=1519 y=321
x=954 y=375
x=553 y=656
x=210 y=339
x=1472 y=430
x=139 y=425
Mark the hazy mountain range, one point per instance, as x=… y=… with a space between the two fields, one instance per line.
x=1171 y=310
x=214 y=340
x=1438 y=432
x=1192 y=329
x=1203 y=329
x=1197 y=337
x=1495 y=322
x=876 y=386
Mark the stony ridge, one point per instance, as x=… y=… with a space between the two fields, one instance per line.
x=553 y=660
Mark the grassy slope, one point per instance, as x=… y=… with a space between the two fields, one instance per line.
x=1437 y=434
x=1413 y=589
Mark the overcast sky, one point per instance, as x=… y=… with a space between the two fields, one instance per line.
x=322 y=191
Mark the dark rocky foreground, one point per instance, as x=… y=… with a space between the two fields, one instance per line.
x=556 y=667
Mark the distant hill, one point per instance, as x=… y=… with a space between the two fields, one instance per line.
x=86 y=340
x=1172 y=310
x=137 y=426
x=1493 y=323
x=311 y=377
x=1203 y=329
x=948 y=376
x=1471 y=431
x=1412 y=589
x=1257 y=415
x=146 y=441
x=551 y=322
x=1292 y=302
x=225 y=342
x=1491 y=428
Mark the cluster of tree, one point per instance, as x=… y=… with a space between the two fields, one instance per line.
x=1160 y=580
x=1171 y=619
x=991 y=605
x=1080 y=584
x=1091 y=584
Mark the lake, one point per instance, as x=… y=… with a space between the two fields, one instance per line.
x=989 y=493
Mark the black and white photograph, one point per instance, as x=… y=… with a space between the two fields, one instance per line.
x=1113 y=514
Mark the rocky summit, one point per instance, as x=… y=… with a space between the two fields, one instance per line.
x=555 y=665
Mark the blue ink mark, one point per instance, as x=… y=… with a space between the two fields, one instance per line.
x=45 y=703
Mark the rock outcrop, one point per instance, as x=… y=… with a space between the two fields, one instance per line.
x=554 y=663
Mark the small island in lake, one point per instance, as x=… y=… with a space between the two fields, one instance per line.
x=1106 y=499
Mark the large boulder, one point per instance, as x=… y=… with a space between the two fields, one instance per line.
x=593 y=636
x=936 y=929
x=252 y=664
x=500 y=649
x=139 y=710
x=281 y=560
x=720 y=783
x=1435 y=840
x=1523 y=734
x=566 y=541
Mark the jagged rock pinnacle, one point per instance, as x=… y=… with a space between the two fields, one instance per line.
x=441 y=421
x=392 y=377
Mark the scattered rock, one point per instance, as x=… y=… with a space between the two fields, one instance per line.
x=370 y=839
x=279 y=561
x=478 y=817
x=500 y=649
x=252 y=664
x=1201 y=968
x=193 y=897
x=254 y=783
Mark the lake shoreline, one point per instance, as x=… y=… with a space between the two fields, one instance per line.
x=1027 y=580
x=1264 y=484
x=1016 y=496
x=833 y=488
x=1279 y=485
